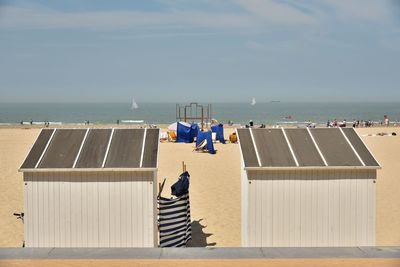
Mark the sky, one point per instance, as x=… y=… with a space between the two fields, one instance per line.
x=199 y=50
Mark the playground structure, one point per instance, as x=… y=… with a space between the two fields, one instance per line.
x=194 y=112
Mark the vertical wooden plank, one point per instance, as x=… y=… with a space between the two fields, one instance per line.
x=84 y=209
x=113 y=209
x=150 y=197
x=336 y=209
x=63 y=209
x=51 y=210
x=75 y=203
x=371 y=227
x=148 y=223
x=258 y=210
x=28 y=224
x=145 y=217
x=93 y=208
x=140 y=212
x=44 y=213
x=244 y=205
x=297 y=198
x=67 y=185
x=125 y=211
x=314 y=207
x=322 y=180
x=155 y=222
x=265 y=219
x=303 y=208
x=104 y=208
x=117 y=198
x=277 y=209
x=41 y=204
x=135 y=211
x=352 y=207
x=291 y=216
x=35 y=212
x=287 y=215
x=342 y=207
x=57 y=209
x=252 y=200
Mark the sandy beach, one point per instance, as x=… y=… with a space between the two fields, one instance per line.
x=215 y=186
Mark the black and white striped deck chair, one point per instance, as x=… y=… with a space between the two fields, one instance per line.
x=174 y=221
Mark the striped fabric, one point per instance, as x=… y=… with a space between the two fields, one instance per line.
x=174 y=221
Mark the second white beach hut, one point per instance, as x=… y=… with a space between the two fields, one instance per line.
x=91 y=188
x=307 y=188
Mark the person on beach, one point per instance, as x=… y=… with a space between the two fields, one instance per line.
x=386 y=120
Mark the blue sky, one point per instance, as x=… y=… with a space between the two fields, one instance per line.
x=199 y=50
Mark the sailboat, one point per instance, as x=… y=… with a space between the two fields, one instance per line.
x=134 y=104
x=253 y=101
x=133 y=107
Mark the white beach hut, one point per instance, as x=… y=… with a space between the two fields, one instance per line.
x=91 y=188
x=307 y=188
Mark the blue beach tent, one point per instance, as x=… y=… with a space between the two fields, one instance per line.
x=219 y=130
x=206 y=136
x=194 y=129
x=184 y=133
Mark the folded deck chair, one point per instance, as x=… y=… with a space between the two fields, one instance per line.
x=201 y=136
x=202 y=146
x=172 y=135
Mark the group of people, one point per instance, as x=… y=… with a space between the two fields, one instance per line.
x=46 y=123
x=358 y=123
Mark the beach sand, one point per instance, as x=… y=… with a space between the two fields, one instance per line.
x=214 y=189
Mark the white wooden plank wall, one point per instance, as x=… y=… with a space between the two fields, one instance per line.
x=311 y=208
x=84 y=209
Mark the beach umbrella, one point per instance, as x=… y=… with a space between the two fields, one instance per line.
x=174 y=125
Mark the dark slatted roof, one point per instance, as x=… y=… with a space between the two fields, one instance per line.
x=247 y=147
x=93 y=149
x=361 y=148
x=335 y=148
x=295 y=147
x=38 y=147
x=63 y=149
x=303 y=147
x=273 y=150
x=126 y=149
x=151 y=148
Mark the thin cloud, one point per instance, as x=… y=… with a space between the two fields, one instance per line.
x=254 y=15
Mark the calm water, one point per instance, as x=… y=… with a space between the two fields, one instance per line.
x=268 y=113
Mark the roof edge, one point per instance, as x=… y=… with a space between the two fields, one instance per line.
x=85 y=169
x=313 y=168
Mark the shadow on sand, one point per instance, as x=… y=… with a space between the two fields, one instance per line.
x=199 y=237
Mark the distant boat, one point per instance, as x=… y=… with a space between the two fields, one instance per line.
x=134 y=104
x=253 y=101
x=132 y=121
x=275 y=101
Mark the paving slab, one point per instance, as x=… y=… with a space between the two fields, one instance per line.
x=313 y=252
x=212 y=253
x=381 y=252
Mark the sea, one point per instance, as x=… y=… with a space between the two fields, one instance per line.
x=270 y=113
